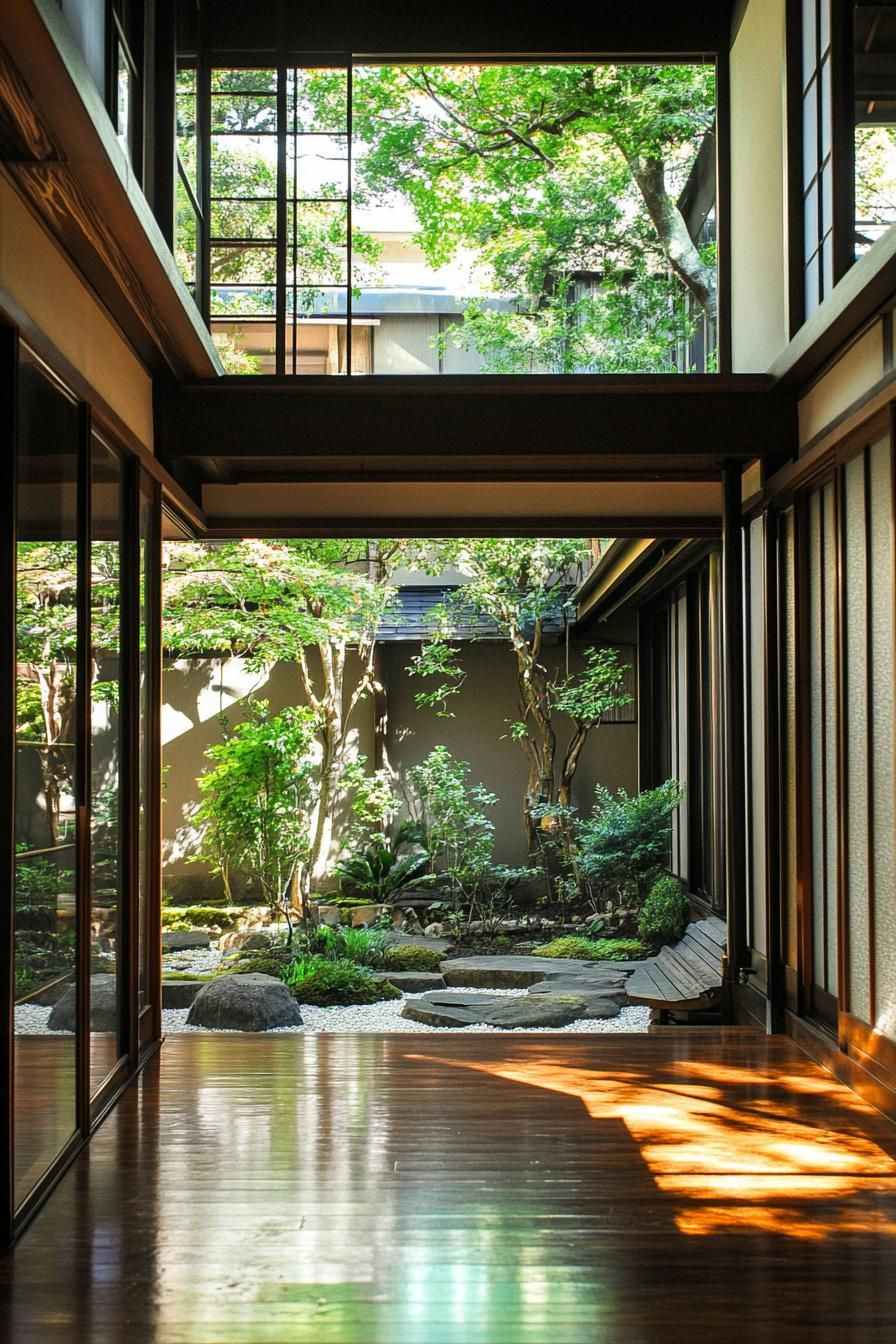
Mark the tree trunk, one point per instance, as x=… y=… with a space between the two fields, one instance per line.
x=679 y=247
x=570 y=763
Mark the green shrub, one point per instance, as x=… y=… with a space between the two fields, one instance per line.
x=411 y=957
x=324 y=983
x=665 y=913
x=258 y=965
x=588 y=949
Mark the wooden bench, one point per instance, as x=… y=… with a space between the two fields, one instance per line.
x=686 y=976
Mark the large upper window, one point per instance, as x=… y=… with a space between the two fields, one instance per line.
x=438 y=219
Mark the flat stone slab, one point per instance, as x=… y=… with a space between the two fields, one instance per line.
x=411 y=982
x=446 y=1009
x=180 y=993
x=183 y=940
x=521 y=972
x=581 y=985
x=244 y=1003
x=439 y=1014
x=542 y=1010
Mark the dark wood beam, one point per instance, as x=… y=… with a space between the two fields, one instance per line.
x=554 y=426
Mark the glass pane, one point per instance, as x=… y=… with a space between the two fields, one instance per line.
x=317 y=165
x=233 y=81
x=317 y=235
x=810 y=136
x=105 y=763
x=809 y=39
x=123 y=98
x=245 y=113
x=242 y=301
x=811 y=285
x=236 y=218
x=243 y=265
x=317 y=100
x=185 y=112
x=811 y=231
x=243 y=165
x=186 y=229
x=45 y=893
x=246 y=346
x=825 y=99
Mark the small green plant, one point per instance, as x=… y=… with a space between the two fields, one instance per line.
x=323 y=983
x=665 y=913
x=623 y=847
x=365 y=947
x=381 y=871
x=587 y=949
x=411 y=957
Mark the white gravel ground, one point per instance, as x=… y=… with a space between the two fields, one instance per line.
x=385 y=1017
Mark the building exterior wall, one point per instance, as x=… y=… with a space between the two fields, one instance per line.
x=758 y=236
x=197 y=691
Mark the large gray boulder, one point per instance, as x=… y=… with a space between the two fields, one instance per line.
x=244 y=1003
x=103 y=1006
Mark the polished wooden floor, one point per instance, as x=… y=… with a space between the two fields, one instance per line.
x=482 y=1189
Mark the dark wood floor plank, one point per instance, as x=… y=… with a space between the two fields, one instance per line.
x=481 y=1189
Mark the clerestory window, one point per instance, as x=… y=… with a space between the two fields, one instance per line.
x=362 y=219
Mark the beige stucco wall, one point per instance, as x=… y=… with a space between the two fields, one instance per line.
x=486 y=700
x=38 y=279
x=758 y=236
x=195 y=692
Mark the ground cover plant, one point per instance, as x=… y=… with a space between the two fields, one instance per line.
x=592 y=949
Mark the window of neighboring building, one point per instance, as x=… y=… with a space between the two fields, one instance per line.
x=424 y=219
x=125 y=97
x=874 y=94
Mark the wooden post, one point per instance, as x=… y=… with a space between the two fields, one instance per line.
x=733 y=721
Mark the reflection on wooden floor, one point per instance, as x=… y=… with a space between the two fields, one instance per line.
x=45 y=1098
x=470 y=1190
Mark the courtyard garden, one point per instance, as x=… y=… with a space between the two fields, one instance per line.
x=333 y=873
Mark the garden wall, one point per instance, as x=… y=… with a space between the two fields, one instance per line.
x=195 y=692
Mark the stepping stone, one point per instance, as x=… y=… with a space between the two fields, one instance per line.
x=180 y=993
x=411 y=982
x=580 y=985
x=440 y=1015
x=185 y=939
x=244 y=1003
x=543 y=1010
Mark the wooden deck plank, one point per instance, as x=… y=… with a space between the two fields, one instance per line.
x=473 y=1189
x=709 y=934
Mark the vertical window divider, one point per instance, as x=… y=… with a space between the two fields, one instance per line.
x=203 y=181
x=775 y=807
x=870 y=745
x=842 y=750
x=130 y=757
x=153 y=748
x=9 y=400
x=83 y=662
x=349 y=259
x=282 y=317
